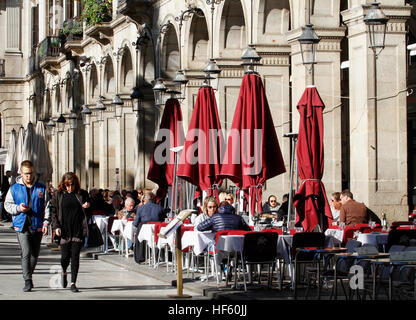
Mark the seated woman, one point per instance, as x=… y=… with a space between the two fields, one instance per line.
x=209 y=208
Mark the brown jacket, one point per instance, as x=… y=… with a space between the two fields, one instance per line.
x=56 y=210
x=353 y=212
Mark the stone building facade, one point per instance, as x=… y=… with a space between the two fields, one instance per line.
x=47 y=74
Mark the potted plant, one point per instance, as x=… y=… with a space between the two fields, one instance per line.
x=97 y=11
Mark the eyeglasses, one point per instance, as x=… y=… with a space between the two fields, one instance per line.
x=211 y=207
x=273 y=201
x=228 y=199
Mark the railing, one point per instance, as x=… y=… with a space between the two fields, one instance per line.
x=49 y=47
x=2 y=68
x=73 y=29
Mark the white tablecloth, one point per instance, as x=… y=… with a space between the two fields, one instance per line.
x=170 y=241
x=230 y=243
x=336 y=234
x=198 y=240
x=125 y=228
x=373 y=239
x=147 y=233
x=101 y=222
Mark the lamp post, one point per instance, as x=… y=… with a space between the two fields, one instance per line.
x=308 y=42
x=212 y=68
x=376 y=22
x=180 y=79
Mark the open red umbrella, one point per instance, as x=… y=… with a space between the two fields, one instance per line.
x=200 y=160
x=170 y=135
x=310 y=200
x=253 y=153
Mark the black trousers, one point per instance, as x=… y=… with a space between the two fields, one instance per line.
x=70 y=253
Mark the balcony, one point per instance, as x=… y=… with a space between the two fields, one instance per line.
x=2 y=68
x=48 y=52
x=138 y=10
x=71 y=35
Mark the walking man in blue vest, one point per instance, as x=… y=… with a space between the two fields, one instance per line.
x=25 y=201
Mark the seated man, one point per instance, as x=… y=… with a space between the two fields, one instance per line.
x=128 y=211
x=147 y=212
x=352 y=212
x=225 y=219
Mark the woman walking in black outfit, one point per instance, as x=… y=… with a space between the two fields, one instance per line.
x=70 y=223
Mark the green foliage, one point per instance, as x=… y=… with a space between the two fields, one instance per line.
x=96 y=11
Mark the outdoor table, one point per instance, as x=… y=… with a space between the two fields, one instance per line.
x=102 y=223
x=229 y=244
x=125 y=227
x=198 y=240
x=147 y=233
x=355 y=256
x=320 y=253
x=391 y=264
x=375 y=238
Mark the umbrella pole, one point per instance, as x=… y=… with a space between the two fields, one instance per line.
x=293 y=137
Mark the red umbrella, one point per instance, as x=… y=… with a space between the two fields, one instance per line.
x=310 y=199
x=253 y=153
x=170 y=135
x=201 y=157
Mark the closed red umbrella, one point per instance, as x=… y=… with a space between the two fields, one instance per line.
x=200 y=161
x=170 y=135
x=253 y=152
x=310 y=200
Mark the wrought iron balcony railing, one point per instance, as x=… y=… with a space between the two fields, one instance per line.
x=49 y=48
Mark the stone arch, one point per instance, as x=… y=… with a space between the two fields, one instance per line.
x=273 y=21
x=109 y=80
x=93 y=83
x=233 y=35
x=126 y=72
x=148 y=65
x=170 y=54
x=198 y=42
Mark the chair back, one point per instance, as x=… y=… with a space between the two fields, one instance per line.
x=260 y=247
x=278 y=231
x=352 y=244
x=400 y=237
x=110 y=224
x=396 y=224
x=307 y=239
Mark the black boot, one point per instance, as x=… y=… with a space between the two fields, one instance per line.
x=64 y=280
x=28 y=286
x=74 y=288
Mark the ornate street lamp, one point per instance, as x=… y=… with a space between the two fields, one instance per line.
x=118 y=106
x=159 y=90
x=61 y=123
x=86 y=113
x=308 y=41
x=376 y=22
x=101 y=108
x=180 y=82
x=51 y=125
x=251 y=60
x=73 y=120
x=136 y=100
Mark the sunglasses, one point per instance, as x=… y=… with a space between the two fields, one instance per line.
x=211 y=207
x=69 y=184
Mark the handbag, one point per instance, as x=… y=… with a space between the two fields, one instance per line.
x=95 y=238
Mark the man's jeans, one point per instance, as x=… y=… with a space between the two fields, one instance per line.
x=30 y=246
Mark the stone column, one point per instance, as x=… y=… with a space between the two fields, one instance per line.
x=43 y=17
x=383 y=189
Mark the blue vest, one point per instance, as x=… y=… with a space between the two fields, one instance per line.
x=37 y=192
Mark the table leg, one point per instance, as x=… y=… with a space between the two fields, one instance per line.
x=374 y=281
x=335 y=279
x=319 y=279
x=391 y=283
